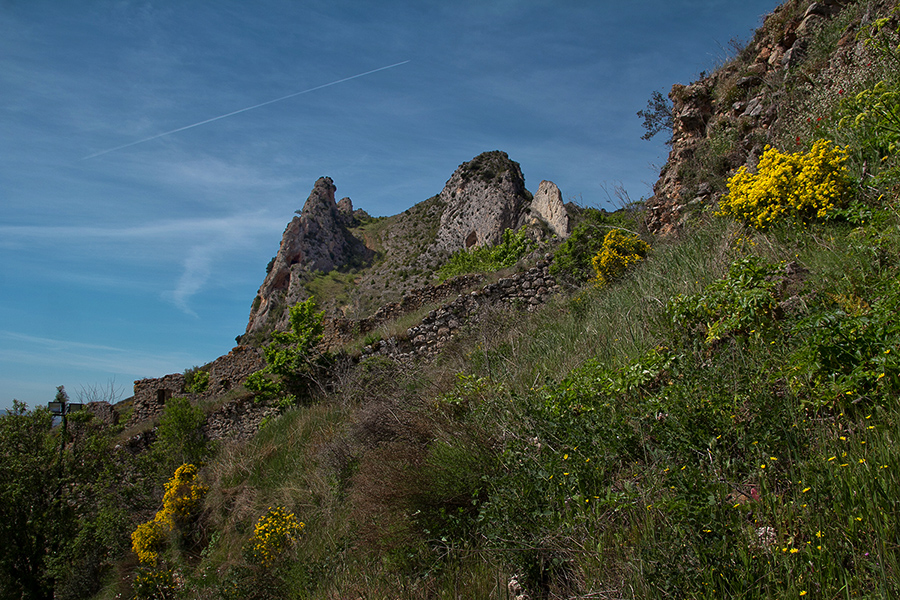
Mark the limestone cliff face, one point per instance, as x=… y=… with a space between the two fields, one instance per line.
x=549 y=207
x=316 y=240
x=483 y=198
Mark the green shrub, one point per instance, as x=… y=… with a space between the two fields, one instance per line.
x=487 y=259
x=196 y=380
x=179 y=437
x=743 y=302
x=289 y=355
x=852 y=350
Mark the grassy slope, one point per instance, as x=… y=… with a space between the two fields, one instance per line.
x=598 y=449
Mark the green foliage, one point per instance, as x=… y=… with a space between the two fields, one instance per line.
x=489 y=166
x=619 y=252
x=800 y=186
x=741 y=303
x=573 y=257
x=54 y=487
x=657 y=116
x=289 y=355
x=487 y=259
x=851 y=350
x=870 y=122
x=179 y=437
x=196 y=380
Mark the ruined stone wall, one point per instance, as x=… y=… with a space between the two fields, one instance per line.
x=527 y=290
x=226 y=372
x=339 y=330
x=150 y=396
x=232 y=369
x=238 y=420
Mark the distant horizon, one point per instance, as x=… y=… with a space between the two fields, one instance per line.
x=154 y=151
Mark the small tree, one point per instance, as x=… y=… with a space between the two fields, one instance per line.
x=657 y=116
x=288 y=357
x=179 y=437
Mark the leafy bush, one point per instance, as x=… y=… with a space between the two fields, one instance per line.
x=486 y=259
x=179 y=437
x=743 y=302
x=289 y=355
x=801 y=186
x=196 y=380
x=851 y=350
x=870 y=120
x=620 y=251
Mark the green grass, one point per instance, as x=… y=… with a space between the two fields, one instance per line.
x=597 y=447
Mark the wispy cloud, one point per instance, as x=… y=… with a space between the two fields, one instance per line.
x=23 y=349
x=241 y=225
x=198 y=267
x=196 y=249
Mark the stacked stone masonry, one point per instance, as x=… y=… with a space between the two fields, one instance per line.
x=226 y=372
x=527 y=290
x=339 y=330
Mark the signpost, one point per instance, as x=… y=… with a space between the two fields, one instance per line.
x=61 y=407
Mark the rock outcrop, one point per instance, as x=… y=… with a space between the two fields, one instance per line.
x=316 y=240
x=724 y=120
x=483 y=198
x=548 y=206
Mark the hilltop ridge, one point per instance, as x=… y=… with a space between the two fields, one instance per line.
x=377 y=261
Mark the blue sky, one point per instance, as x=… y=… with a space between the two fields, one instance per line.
x=120 y=263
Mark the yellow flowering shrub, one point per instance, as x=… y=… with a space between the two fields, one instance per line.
x=620 y=251
x=148 y=539
x=274 y=533
x=803 y=185
x=184 y=492
x=182 y=498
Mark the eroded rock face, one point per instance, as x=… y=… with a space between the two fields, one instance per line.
x=316 y=240
x=484 y=197
x=548 y=205
x=739 y=100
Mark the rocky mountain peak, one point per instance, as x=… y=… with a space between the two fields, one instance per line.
x=316 y=240
x=548 y=205
x=483 y=198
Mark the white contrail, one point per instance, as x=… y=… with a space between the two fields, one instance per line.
x=231 y=114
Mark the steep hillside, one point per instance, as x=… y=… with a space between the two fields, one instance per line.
x=710 y=410
x=775 y=91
